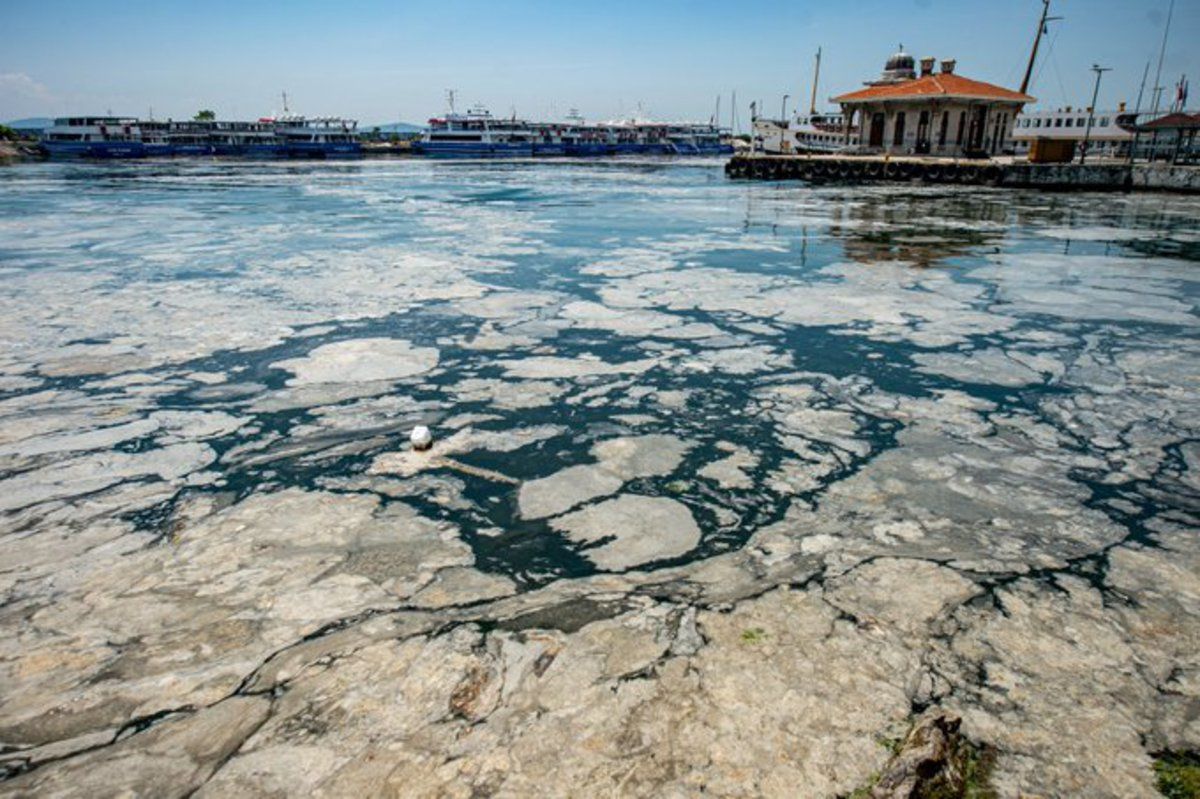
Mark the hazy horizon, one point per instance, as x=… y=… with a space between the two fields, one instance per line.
x=382 y=62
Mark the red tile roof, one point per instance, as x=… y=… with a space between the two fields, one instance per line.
x=1171 y=121
x=933 y=86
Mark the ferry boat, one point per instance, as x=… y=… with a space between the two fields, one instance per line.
x=252 y=139
x=320 y=137
x=1111 y=134
x=164 y=139
x=813 y=133
x=477 y=134
x=128 y=137
x=94 y=137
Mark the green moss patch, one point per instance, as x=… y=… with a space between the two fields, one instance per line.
x=1178 y=774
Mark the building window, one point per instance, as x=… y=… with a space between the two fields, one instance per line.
x=944 y=128
x=1079 y=123
x=1104 y=122
x=898 y=132
x=962 y=126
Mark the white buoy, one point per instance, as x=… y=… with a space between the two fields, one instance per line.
x=421 y=438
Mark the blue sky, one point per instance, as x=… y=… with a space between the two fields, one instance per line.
x=379 y=61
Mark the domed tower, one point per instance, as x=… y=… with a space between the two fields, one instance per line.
x=899 y=68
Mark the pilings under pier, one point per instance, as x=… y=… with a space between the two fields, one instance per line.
x=1060 y=177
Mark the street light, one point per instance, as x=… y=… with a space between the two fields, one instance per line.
x=1087 y=135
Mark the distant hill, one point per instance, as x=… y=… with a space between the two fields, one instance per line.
x=392 y=127
x=30 y=123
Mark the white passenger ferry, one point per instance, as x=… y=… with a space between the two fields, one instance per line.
x=95 y=137
x=812 y=133
x=318 y=137
x=477 y=134
x=1111 y=133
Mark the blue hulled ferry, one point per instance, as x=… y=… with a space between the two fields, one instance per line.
x=288 y=136
x=95 y=137
x=478 y=134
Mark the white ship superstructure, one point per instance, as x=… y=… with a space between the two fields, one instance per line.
x=1110 y=135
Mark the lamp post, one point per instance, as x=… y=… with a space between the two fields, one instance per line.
x=1087 y=134
x=783 y=110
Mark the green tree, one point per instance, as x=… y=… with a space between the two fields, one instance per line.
x=205 y=116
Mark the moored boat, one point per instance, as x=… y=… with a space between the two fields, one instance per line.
x=129 y=137
x=477 y=134
x=319 y=137
x=94 y=137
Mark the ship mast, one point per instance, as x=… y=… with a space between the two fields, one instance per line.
x=1037 y=39
x=1162 y=52
x=1138 y=108
x=812 y=106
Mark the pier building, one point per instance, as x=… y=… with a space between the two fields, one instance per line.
x=933 y=112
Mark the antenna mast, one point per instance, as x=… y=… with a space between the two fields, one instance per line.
x=1137 y=109
x=812 y=106
x=285 y=105
x=1162 y=52
x=1037 y=39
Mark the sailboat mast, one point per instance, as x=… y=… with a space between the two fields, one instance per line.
x=1162 y=52
x=1037 y=39
x=812 y=106
x=1137 y=109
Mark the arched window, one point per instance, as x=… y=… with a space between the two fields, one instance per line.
x=945 y=126
x=962 y=127
x=898 y=131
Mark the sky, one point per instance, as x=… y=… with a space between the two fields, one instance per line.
x=388 y=60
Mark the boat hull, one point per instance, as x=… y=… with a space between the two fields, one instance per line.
x=589 y=149
x=323 y=150
x=95 y=149
x=250 y=150
x=549 y=149
x=474 y=149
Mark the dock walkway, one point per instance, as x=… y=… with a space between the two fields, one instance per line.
x=1100 y=176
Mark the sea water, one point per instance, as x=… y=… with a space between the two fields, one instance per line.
x=226 y=329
